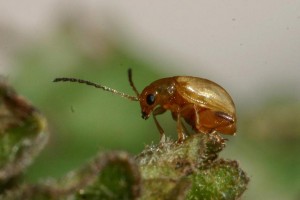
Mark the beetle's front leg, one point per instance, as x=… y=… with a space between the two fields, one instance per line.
x=159 y=111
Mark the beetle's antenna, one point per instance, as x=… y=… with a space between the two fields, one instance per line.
x=96 y=86
x=131 y=83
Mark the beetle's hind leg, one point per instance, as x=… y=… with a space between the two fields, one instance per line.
x=227 y=123
x=218 y=138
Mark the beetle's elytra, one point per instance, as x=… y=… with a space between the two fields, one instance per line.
x=203 y=104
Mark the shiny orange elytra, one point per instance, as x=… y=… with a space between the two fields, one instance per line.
x=203 y=104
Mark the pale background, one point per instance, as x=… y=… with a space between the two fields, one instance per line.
x=249 y=45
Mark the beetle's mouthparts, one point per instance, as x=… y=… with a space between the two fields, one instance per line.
x=145 y=115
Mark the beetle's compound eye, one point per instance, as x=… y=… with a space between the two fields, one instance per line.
x=150 y=99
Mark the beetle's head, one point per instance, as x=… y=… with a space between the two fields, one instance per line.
x=158 y=93
x=149 y=99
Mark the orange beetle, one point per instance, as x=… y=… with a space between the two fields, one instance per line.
x=203 y=104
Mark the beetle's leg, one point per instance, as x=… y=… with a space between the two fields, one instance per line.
x=187 y=133
x=227 y=123
x=218 y=137
x=180 y=129
x=175 y=117
x=197 y=123
x=159 y=111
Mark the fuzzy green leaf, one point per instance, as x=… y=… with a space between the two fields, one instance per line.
x=22 y=134
x=190 y=170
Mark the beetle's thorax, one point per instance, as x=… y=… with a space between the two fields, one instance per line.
x=163 y=91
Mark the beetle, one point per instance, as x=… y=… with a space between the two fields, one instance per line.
x=201 y=103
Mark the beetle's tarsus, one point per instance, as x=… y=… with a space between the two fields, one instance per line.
x=218 y=137
x=162 y=139
x=180 y=140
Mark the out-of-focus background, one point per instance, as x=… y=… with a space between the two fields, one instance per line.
x=252 y=49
